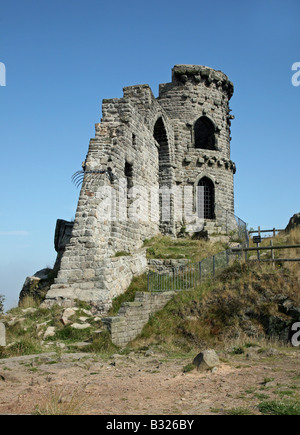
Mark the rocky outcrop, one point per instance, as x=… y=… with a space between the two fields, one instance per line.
x=62 y=237
x=294 y=222
x=37 y=286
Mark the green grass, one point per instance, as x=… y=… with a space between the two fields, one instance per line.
x=122 y=254
x=25 y=345
x=238 y=411
x=137 y=284
x=188 y=368
x=69 y=334
x=102 y=344
x=280 y=407
x=163 y=247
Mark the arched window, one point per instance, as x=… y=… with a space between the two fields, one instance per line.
x=204 y=133
x=206 y=199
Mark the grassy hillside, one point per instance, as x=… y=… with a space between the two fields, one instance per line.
x=245 y=303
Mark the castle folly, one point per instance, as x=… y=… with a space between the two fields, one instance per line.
x=156 y=165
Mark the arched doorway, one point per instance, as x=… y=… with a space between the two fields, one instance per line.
x=160 y=135
x=206 y=199
x=166 y=212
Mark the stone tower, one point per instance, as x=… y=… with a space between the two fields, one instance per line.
x=168 y=165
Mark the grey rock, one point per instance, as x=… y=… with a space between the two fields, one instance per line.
x=80 y=325
x=2 y=335
x=37 y=286
x=206 y=360
x=50 y=332
x=68 y=312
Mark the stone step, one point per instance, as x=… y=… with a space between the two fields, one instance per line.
x=212 y=228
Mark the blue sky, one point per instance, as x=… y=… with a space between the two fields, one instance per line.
x=63 y=57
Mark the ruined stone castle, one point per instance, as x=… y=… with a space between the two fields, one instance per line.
x=155 y=165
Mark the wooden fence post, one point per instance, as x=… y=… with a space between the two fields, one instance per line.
x=272 y=252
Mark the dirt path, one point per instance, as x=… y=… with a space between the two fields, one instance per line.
x=140 y=385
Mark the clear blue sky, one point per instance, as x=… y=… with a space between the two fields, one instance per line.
x=63 y=57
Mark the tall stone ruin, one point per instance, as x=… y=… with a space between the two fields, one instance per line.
x=170 y=171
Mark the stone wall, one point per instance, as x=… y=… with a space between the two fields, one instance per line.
x=102 y=285
x=132 y=316
x=164 y=266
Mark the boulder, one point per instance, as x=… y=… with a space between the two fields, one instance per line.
x=68 y=312
x=206 y=360
x=80 y=325
x=50 y=332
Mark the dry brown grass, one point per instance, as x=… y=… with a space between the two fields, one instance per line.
x=236 y=306
x=290 y=238
x=61 y=402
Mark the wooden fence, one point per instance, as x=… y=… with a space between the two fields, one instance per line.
x=271 y=248
x=259 y=231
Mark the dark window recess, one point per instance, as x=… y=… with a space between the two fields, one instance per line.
x=204 y=131
x=160 y=135
x=206 y=199
x=129 y=174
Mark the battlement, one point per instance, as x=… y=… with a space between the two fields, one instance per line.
x=197 y=74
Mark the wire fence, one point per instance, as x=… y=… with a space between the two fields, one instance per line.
x=191 y=275
x=232 y=225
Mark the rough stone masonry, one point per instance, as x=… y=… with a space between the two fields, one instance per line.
x=171 y=166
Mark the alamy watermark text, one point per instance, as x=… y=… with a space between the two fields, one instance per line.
x=2 y=74
x=296 y=75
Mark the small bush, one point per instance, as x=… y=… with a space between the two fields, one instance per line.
x=188 y=368
x=70 y=334
x=122 y=254
x=61 y=402
x=24 y=346
x=102 y=344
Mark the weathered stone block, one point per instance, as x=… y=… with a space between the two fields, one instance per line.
x=206 y=360
x=2 y=335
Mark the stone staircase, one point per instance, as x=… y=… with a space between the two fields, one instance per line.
x=212 y=228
